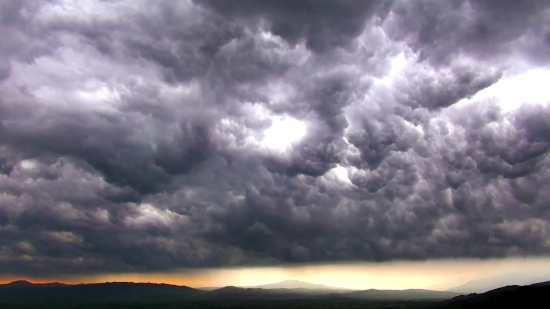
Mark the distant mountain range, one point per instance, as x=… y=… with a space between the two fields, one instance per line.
x=23 y=293
x=287 y=284
x=112 y=291
x=295 y=284
x=26 y=284
x=124 y=291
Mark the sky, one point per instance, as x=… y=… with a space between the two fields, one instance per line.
x=206 y=142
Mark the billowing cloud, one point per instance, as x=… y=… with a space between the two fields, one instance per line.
x=154 y=135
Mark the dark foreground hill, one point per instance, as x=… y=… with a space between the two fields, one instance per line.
x=529 y=296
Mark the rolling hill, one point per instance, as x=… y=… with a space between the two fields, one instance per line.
x=100 y=292
x=530 y=296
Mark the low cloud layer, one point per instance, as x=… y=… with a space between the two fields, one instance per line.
x=132 y=133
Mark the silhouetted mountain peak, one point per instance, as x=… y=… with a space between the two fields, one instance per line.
x=21 y=283
x=232 y=290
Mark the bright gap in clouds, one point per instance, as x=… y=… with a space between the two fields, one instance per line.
x=398 y=64
x=513 y=91
x=283 y=133
x=341 y=174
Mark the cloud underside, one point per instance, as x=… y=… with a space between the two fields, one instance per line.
x=131 y=133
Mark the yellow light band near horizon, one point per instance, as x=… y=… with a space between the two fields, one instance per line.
x=432 y=274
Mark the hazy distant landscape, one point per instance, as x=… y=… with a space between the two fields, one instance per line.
x=23 y=294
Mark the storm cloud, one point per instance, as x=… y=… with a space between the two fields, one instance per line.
x=133 y=133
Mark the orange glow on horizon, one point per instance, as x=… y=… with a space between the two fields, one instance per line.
x=435 y=274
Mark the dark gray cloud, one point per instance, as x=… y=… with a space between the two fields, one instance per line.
x=482 y=29
x=444 y=88
x=322 y=25
x=133 y=135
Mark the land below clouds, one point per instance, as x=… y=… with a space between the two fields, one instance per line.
x=23 y=294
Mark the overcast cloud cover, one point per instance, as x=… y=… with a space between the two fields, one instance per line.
x=132 y=133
